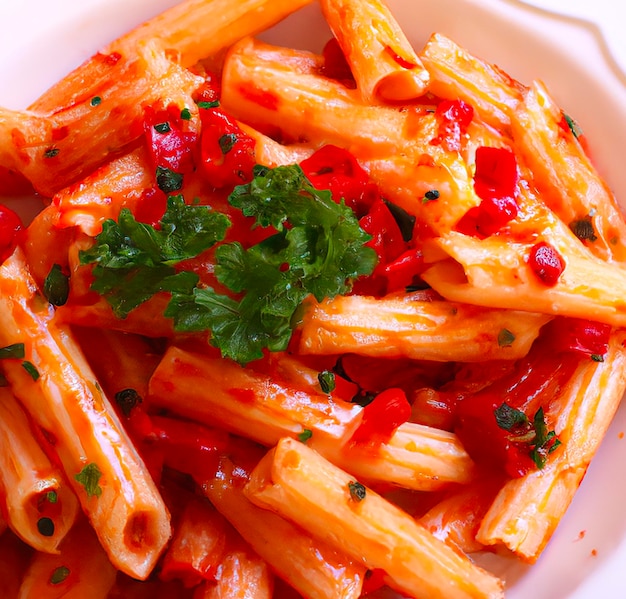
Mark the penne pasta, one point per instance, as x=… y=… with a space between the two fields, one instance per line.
x=62 y=396
x=382 y=60
x=40 y=506
x=405 y=326
x=299 y=484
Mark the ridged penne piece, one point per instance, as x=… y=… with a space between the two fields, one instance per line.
x=405 y=326
x=587 y=286
x=456 y=73
x=221 y=393
x=299 y=484
x=274 y=88
x=54 y=150
x=383 y=62
x=315 y=569
x=565 y=176
x=527 y=510
x=80 y=570
x=41 y=507
x=62 y=396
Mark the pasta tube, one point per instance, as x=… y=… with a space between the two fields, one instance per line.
x=405 y=326
x=301 y=485
x=41 y=507
x=315 y=569
x=527 y=510
x=381 y=58
x=62 y=396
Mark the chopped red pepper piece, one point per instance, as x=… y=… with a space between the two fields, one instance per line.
x=12 y=232
x=546 y=263
x=401 y=273
x=579 y=335
x=337 y=170
x=454 y=118
x=227 y=153
x=382 y=417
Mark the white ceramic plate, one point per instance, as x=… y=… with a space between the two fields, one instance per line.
x=586 y=559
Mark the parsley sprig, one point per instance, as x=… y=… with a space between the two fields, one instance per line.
x=134 y=261
x=318 y=249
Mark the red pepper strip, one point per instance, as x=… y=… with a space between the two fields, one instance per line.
x=151 y=207
x=335 y=64
x=404 y=269
x=536 y=380
x=226 y=152
x=546 y=263
x=170 y=144
x=382 y=417
x=12 y=232
x=579 y=335
x=454 y=118
x=337 y=170
x=189 y=447
x=386 y=234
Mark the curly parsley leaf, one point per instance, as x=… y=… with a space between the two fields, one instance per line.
x=133 y=260
x=318 y=249
x=89 y=478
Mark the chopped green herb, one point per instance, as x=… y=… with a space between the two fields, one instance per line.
x=207 y=105
x=573 y=126
x=505 y=338
x=363 y=398
x=51 y=152
x=163 y=127
x=583 y=229
x=430 y=196
x=168 y=181
x=134 y=261
x=326 y=380
x=127 y=399
x=185 y=114
x=305 y=435
x=31 y=369
x=56 y=286
x=95 y=101
x=357 y=491
x=406 y=221
x=15 y=350
x=227 y=142
x=89 y=478
x=52 y=497
x=45 y=526
x=59 y=575
x=508 y=418
x=320 y=241
x=597 y=357
x=545 y=441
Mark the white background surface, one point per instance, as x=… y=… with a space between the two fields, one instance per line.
x=42 y=40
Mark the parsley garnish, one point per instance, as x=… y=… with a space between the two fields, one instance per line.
x=357 y=491
x=162 y=127
x=51 y=152
x=56 y=286
x=127 y=399
x=505 y=338
x=573 y=126
x=305 y=435
x=168 y=180
x=59 y=575
x=31 y=369
x=207 y=105
x=597 y=357
x=226 y=142
x=326 y=380
x=95 y=101
x=52 y=496
x=540 y=441
x=133 y=260
x=320 y=241
x=89 y=477
x=185 y=114
x=15 y=350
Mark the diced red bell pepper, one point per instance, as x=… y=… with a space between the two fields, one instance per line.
x=546 y=263
x=337 y=170
x=170 y=142
x=382 y=417
x=401 y=272
x=12 y=232
x=578 y=335
x=226 y=153
x=454 y=117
